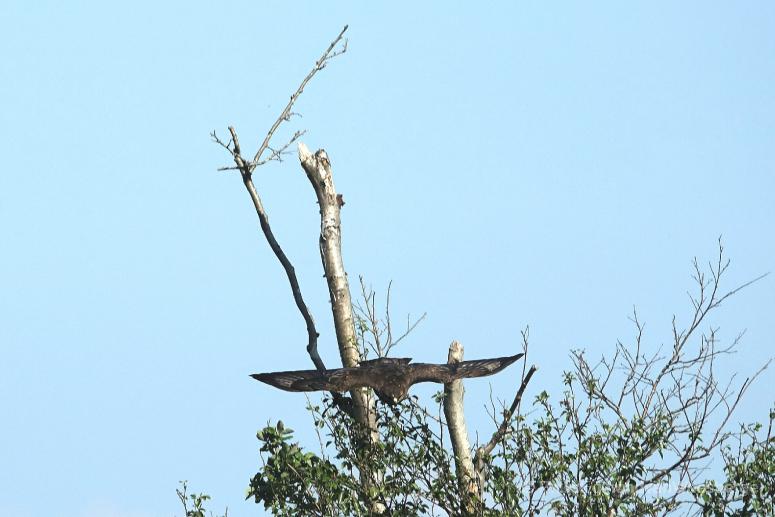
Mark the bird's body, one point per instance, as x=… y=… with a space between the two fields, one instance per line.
x=390 y=377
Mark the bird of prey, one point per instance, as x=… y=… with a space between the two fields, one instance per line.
x=390 y=377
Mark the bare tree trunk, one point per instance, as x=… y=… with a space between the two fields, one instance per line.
x=458 y=434
x=318 y=169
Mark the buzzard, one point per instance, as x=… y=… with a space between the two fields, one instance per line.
x=390 y=377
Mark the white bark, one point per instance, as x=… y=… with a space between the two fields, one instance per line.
x=318 y=169
x=458 y=434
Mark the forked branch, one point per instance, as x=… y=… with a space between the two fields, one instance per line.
x=247 y=166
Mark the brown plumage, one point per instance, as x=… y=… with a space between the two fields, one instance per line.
x=390 y=377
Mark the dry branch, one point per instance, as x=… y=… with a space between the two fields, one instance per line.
x=500 y=433
x=378 y=335
x=312 y=333
x=320 y=64
x=246 y=168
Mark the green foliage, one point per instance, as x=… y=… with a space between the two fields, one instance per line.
x=632 y=434
x=569 y=462
x=556 y=463
x=294 y=482
x=413 y=463
x=194 y=504
x=749 y=487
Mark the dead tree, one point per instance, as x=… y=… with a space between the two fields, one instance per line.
x=361 y=403
x=318 y=169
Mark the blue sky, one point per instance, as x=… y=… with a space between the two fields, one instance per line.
x=517 y=164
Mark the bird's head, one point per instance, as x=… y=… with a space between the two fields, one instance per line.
x=391 y=395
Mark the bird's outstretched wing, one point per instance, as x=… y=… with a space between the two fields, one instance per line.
x=444 y=373
x=299 y=380
x=340 y=379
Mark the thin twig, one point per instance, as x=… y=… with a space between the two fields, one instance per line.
x=286 y=113
x=498 y=435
